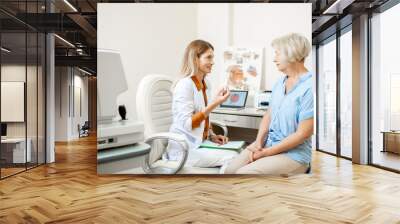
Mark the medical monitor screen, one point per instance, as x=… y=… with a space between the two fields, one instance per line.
x=237 y=99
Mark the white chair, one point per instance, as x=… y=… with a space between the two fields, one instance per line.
x=154 y=108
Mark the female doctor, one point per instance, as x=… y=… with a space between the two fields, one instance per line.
x=191 y=108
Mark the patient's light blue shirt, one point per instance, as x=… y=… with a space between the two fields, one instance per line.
x=287 y=111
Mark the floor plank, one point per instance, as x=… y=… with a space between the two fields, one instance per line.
x=386 y=159
x=70 y=191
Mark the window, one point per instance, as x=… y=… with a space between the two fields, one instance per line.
x=327 y=96
x=385 y=89
x=346 y=93
x=22 y=66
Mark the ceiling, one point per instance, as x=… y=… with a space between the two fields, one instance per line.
x=76 y=22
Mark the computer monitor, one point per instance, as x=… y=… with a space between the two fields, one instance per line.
x=3 y=129
x=237 y=99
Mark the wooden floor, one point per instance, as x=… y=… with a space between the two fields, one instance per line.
x=69 y=191
x=10 y=171
x=386 y=159
x=5 y=172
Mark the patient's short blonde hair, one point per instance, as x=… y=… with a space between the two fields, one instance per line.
x=293 y=47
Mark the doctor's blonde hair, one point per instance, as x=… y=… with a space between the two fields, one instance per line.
x=293 y=47
x=192 y=54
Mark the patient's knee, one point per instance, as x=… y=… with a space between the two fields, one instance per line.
x=230 y=169
x=247 y=170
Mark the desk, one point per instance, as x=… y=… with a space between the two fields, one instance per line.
x=122 y=160
x=242 y=124
x=13 y=150
x=391 y=141
x=244 y=118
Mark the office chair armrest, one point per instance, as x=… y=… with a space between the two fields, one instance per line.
x=169 y=136
x=221 y=125
x=180 y=139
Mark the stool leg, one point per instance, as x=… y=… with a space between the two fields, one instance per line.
x=308 y=171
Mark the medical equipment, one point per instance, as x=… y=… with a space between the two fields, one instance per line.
x=262 y=99
x=113 y=132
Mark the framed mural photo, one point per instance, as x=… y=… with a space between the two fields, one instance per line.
x=242 y=68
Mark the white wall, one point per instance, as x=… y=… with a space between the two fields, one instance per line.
x=258 y=24
x=150 y=37
x=79 y=117
x=15 y=72
x=214 y=25
x=82 y=82
x=33 y=126
x=157 y=45
x=61 y=103
x=66 y=121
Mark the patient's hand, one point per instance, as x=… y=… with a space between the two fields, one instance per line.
x=258 y=155
x=250 y=157
x=253 y=147
x=219 y=139
x=253 y=156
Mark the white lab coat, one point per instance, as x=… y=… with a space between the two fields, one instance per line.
x=187 y=101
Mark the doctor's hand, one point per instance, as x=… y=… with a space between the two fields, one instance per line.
x=219 y=139
x=222 y=95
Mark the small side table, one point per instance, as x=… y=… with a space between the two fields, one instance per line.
x=391 y=141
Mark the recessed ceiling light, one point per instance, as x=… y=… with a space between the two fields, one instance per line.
x=70 y=5
x=84 y=71
x=64 y=40
x=338 y=6
x=5 y=50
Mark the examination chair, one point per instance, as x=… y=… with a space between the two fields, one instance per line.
x=154 y=108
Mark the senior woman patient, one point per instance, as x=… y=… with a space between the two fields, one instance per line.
x=283 y=143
